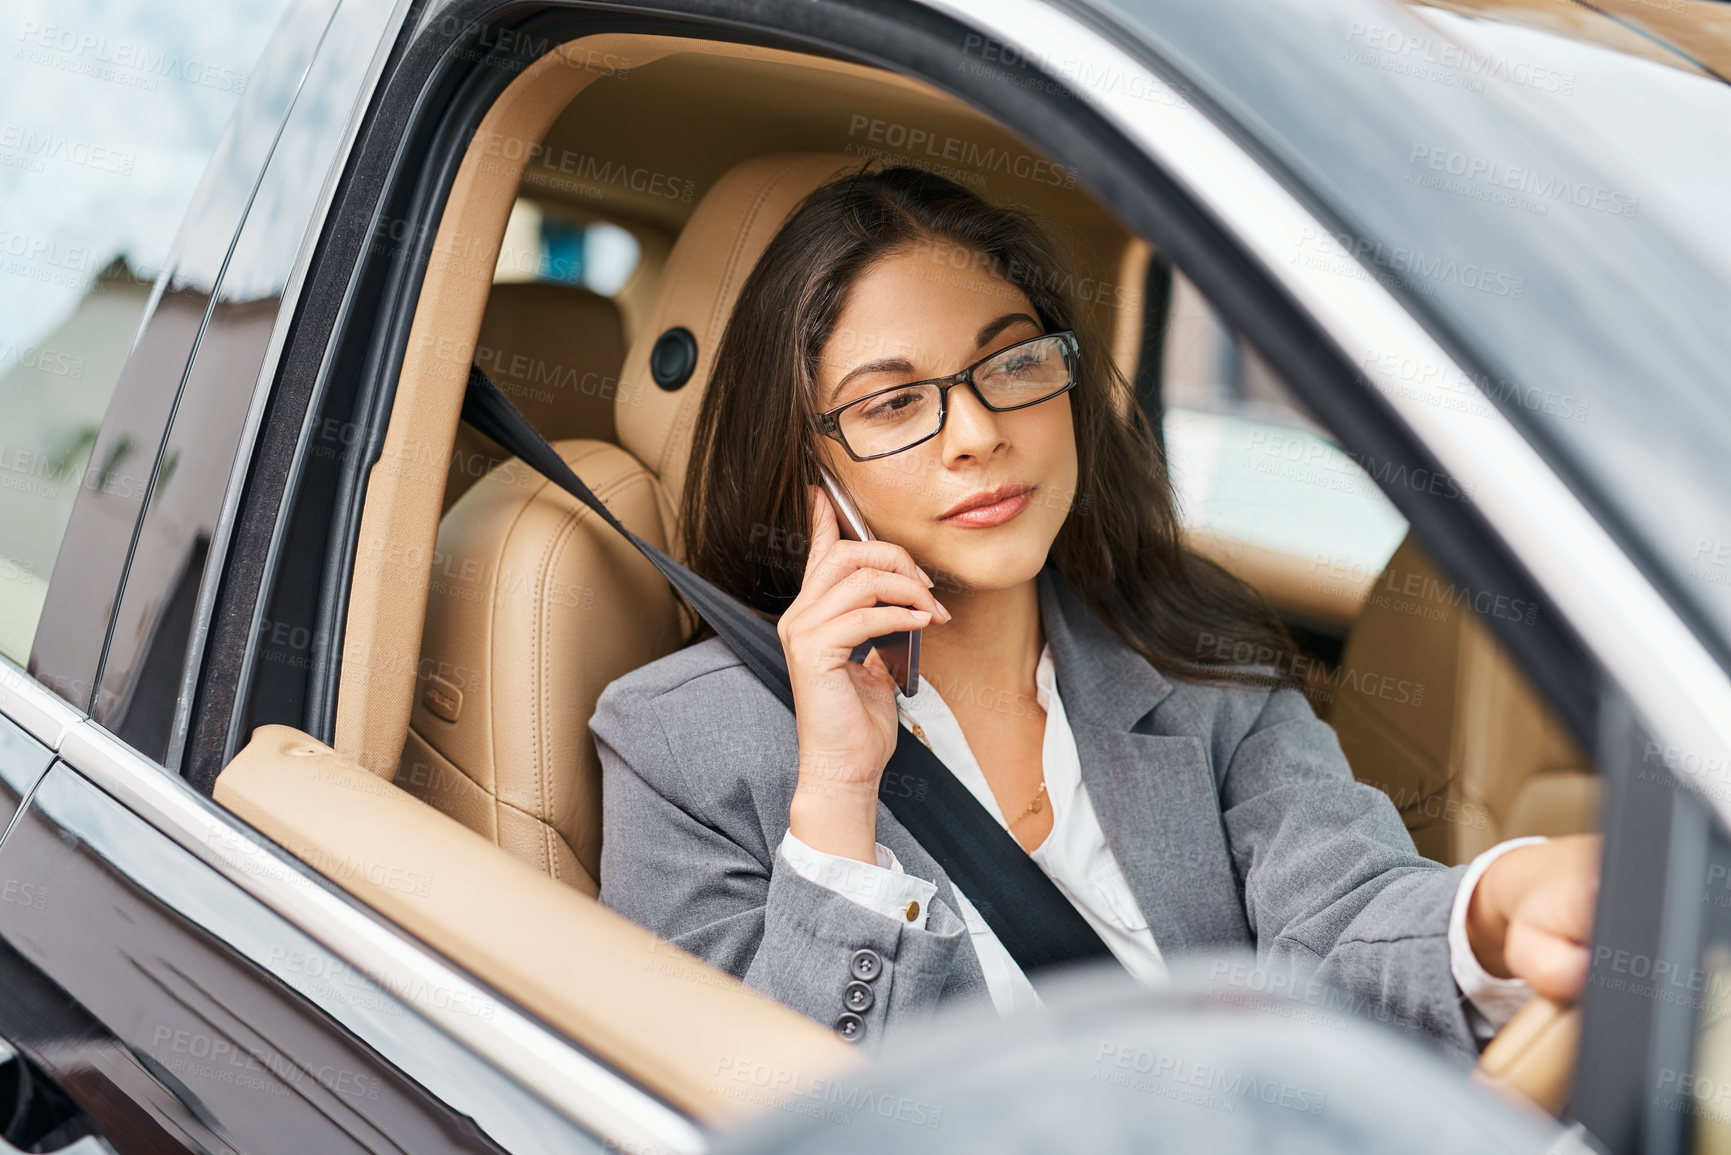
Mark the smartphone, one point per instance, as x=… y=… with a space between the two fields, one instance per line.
x=900 y=651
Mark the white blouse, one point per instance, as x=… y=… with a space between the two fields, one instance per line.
x=1078 y=861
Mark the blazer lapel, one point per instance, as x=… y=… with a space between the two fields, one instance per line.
x=1154 y=794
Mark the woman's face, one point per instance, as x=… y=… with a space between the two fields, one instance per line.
x=929 y=312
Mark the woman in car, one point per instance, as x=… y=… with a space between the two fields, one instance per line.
x=1128 y=711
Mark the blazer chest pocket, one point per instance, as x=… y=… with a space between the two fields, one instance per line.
x=1109 y=881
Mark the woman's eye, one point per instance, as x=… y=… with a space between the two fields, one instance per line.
x=890 y=405
x=1018 y=365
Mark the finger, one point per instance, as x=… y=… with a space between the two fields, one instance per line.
x=884 y=555
x=1564 y=905
x=825 y=531
x=818 y=575
x=867 y=587
x=830 y=644
x=875 y=684
x=879 y=680
x=1555 y=966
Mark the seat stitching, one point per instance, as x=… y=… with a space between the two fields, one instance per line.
x=535 y=642
x=554 y=549
x=548 y=835
x=492 y=638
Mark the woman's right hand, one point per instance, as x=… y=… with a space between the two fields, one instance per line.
x=846 y=710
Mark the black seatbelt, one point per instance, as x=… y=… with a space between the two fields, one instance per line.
x=1024 y=908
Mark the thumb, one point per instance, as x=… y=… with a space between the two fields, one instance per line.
x=879 y=680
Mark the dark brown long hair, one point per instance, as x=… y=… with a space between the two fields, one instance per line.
x=746 y=507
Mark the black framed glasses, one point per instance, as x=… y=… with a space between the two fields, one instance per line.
x=900 y=417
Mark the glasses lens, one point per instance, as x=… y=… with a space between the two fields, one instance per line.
x=891 y=421
x=1025 y=373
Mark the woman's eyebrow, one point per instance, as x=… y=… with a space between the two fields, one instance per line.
x=881 y=365
x=993 y=328
x=903 y=365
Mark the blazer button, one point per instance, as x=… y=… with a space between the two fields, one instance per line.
x=858 y=997
x=851 y=1028
x=866 y=965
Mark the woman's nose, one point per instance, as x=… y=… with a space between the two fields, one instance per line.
x=970 y=429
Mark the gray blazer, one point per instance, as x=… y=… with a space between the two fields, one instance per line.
x=1231 y=812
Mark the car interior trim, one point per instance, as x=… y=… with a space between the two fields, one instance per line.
x=581 y=1088
x=1631 y=630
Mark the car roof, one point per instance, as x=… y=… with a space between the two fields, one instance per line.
x=1545 y=186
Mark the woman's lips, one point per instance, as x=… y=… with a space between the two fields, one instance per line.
x=982 y=516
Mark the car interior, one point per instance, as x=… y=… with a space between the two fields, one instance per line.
x=488 y=609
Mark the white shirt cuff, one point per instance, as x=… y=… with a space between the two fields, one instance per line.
x=1495 y=1000
x=885 y=888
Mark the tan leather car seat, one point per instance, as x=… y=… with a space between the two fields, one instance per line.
x=536 y=605
x=555 y=350
x=1431 y=710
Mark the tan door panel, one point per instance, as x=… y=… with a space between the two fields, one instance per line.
x=661 y=1015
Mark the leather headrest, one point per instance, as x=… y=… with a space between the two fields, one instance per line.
x=716 y=251
x=553 y=348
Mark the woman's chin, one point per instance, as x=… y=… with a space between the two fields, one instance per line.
x=985 y=570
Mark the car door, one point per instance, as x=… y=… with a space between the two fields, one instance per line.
x=236 y=925
x=149 y=1001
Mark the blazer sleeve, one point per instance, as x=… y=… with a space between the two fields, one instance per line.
x=697 y=869
x=1333 y=886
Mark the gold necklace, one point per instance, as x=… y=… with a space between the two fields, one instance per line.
x=1032 y=808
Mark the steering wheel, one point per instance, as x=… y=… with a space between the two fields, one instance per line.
x=1534 y=1054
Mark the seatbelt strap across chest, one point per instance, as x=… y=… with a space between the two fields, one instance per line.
x=1024 y=908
